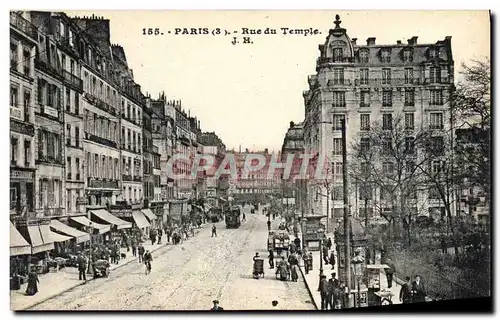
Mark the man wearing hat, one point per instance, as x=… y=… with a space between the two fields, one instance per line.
x=323 y=290
x=216 y=306
x=333 y=285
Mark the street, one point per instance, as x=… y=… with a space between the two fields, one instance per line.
x=190 y=275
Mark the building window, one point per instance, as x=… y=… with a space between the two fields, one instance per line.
x=68 y=135
x=128 y=111
x=365 y=145
x=338 y=170
x=338 y=193
x=68 y=168
x=409 y=145
x=363 y=76
x=436 y=98
x=337 y=121
x=338 y=76
x=338 y=55
x=133 y=141
x=407 y=56
x=365 y=122
x=435 y=74
x=339 y=99
x=27 y=62
x=77 y=103
x=27 y=153
x=410 y=167
x=409 y=97
x=386 y=76
x=385 y=56
x=77 y=165
x=388 y=168
x=409 y=121
x=14 y=96
x=387 y=98
x=13 y=150
x=13 y=56
x=433 y=193
x=436 y=120
x=77 y=137
x=27 y=105
x=365 y=99
x=408 y=75
x=437 y=166
x=68 y=100
x=363 y=56
x=129 y=140
x=387 y=121
x=365 y=192
x=337 y=146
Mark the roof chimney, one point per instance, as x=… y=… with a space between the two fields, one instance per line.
x=292 y=124
x=398 y=42
x=353 y=41
x=370 y=41
x=413 y=40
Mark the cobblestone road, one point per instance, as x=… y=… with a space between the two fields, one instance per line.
x=190 y=275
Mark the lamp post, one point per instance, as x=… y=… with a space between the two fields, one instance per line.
x=90 y=231
x=357 y=266
x=320 y=233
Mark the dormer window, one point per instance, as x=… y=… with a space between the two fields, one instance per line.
x=433 y=53
x=338 y=55
x=407 y=56
x=385 y=55
x=363 y=56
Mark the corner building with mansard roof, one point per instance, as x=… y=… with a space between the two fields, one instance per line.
x=367 y=83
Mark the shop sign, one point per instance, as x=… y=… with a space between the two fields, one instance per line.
x=22 y=127
x=16 y=113
x=21 y=175
x=51 y=111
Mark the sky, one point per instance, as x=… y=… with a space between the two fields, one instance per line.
x=249 y=93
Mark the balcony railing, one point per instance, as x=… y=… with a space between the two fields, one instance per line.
x=102 y=184
x=53 y=212
x=72 y=80
x=137 y=178
x=100 y=140
x=48 y=159
x=24 y=25
x=127 y=177
x=100 y=104
x=47 y=67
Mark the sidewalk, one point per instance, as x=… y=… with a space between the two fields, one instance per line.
x=55 y=283
x=312 y=279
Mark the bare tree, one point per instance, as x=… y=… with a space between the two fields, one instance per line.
x=386 y=157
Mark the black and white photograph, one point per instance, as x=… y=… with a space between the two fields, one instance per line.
x=224 y=160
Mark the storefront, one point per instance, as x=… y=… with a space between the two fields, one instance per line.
x=22 y=195
x=20 y=250
x=99 y=232
x=153 y=219
x=119 y=227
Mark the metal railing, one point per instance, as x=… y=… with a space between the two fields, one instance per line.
x=73 y=80
x=24 y=25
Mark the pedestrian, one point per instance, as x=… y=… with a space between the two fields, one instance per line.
x=148 y=258
x=333 y=287
x=216 y=306
x=332 y=259
x=33 y=281
x=82 y=267
x=271 y=259
x=214 y=231
x=323 y=290
x=390 y=272
x=329 y=243
x=268 y=225
x=140 y=250
x=405 y=292
x=418 y=290
x=113 y=254
x=118 y=247
x=152 y=236
x=293 y=261
x=325 y=254
x=134 y=248
x=244 y=218
x=297 y=243
x=160 y=233
x=169 y=233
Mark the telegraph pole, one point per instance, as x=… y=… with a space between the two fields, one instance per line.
x=347 y=224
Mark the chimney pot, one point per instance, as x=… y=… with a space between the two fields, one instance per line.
x=413 y=40
x=370 y=41
x=354 y=40
x=398 y=42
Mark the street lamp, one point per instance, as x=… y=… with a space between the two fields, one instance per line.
x=90 y=231
x=357 y=265
x=320 y=233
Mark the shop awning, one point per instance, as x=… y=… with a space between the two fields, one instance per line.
x=103 y=228
x=65 y=229
x=148 y=213
x=18 y=245
x=49 y=235
x=111 y=219
x=140 y=220
x=37 y=241
x=207 y=207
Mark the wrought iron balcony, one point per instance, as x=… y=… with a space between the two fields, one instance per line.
x=102 y=184
x=137 y=178
x=127 y=177
x=100 y=140
x=73 y=81
x=23 y=25
x=48 y=68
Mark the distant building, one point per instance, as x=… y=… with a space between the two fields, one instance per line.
x=215 y=187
